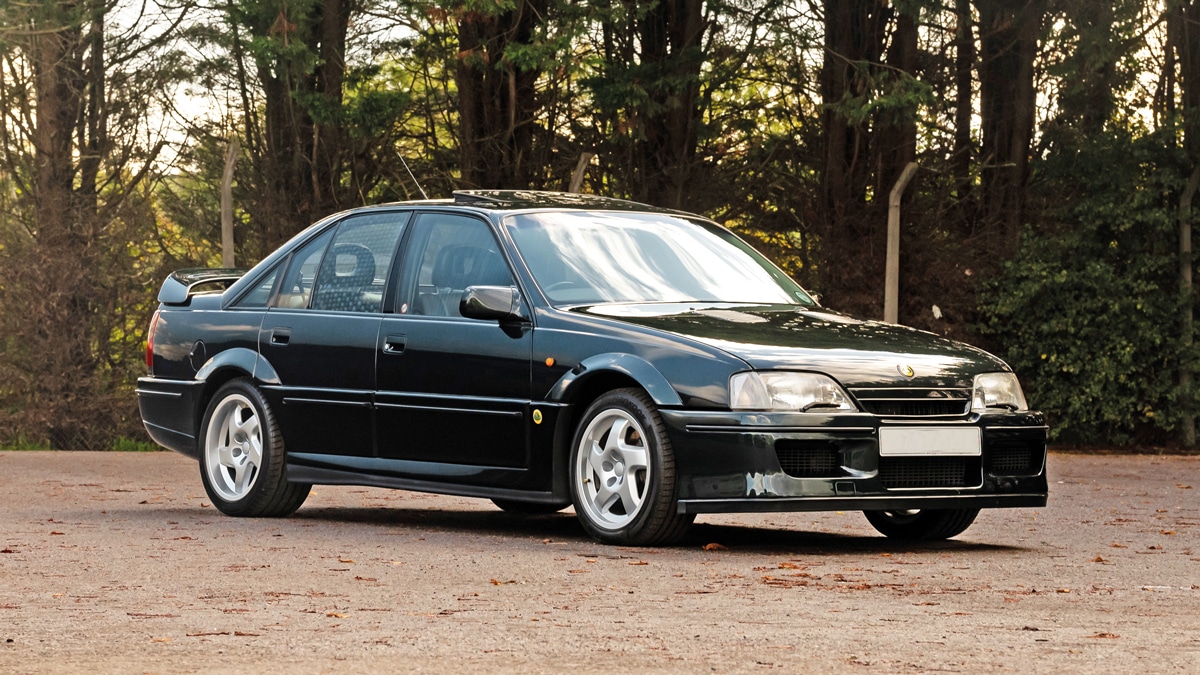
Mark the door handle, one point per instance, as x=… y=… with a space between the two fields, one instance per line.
x=394 y=344
x=281 y=336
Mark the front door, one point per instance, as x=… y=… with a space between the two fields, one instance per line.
x=451 y=390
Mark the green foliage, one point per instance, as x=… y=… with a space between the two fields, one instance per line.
x=1088 y=313
x=124 y=444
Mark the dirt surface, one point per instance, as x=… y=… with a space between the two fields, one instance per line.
x=117 y=563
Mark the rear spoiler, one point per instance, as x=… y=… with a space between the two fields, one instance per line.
x=183 y=284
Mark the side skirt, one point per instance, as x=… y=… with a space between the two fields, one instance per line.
x=398 y=474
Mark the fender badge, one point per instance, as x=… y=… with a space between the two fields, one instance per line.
x=537 y=416
x=906 y=370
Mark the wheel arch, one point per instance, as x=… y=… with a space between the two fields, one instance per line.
x=225 y=366
x=595 y=370
x=591 y=379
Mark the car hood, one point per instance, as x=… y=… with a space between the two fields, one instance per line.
x=857 y=353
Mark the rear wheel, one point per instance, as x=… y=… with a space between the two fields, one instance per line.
x=242 y=459
x=623 y=473
x=922 y=524
x=527 y=508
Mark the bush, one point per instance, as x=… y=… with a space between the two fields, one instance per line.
x=1087 y=313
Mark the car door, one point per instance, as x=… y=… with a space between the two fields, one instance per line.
x=452 y=390
x=320 y=335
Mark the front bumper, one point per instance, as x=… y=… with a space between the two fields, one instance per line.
x=749 y=462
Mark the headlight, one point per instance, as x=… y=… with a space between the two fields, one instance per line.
x=998 y=390
x=786 y=391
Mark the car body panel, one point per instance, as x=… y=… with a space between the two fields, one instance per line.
x=457 y=393
x=325 y=368
x=855 y=352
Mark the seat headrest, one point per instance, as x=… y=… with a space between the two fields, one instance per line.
x=462 y=266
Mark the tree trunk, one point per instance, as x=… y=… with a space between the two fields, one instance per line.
x=964 y=67
x=853 y=229
x=1009 y=31
x=300 y=164
x=498 y=103
x=1185 y=22
x=672 y=34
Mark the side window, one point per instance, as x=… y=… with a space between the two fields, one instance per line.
x=354 y=272
x=296 y=289
x=449 y=253
x=260 y=295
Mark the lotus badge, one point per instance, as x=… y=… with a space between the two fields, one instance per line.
x=906 y=370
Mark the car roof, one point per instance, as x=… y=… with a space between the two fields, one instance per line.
x=524 y=200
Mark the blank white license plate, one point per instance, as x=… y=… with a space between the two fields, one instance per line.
x=928 y=441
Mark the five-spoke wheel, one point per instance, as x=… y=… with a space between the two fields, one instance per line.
x=623 y=472
x=242 y=459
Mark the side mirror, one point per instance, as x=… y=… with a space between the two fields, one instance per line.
x=491 y=303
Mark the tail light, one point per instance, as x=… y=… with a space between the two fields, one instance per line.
x=150 y=343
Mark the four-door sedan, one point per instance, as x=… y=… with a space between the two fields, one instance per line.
x=544 y=350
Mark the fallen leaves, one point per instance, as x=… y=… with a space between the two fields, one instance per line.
x=497 y=582
x=345 y=560
x=714 y=546
x=1181 y=486
x=778 y=582
x=639 y=562
x=1100 y=559
x=336 y=615
x=1105 y=636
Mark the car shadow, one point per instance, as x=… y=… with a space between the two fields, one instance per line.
x=563 y=527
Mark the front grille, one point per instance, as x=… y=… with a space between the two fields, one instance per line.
x=1014 y=458
x=897 y=473
x=915 y=401
x=910 y=408
x=809 y=459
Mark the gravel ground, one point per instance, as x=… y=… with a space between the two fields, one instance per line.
x=116 y=562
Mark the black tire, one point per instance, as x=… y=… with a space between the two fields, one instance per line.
x=923 y=524
x=527 y=508
x=238 y=425
x=645 y=513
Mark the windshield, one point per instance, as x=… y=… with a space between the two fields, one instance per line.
x=585 y=258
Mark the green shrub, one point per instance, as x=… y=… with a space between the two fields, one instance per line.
x=1087 y=312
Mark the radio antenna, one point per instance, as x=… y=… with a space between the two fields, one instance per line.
x=410 y=175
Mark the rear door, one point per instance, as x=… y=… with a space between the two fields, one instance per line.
x=452 y=390
x=321 y=333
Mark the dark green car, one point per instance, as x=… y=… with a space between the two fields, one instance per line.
x=545 y=350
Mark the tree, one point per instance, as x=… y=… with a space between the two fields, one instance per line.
x=74 y=98
x=1008 y=35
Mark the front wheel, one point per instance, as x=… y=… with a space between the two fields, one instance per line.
x=623 y=473
x=922 y=524
x=242 y=459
